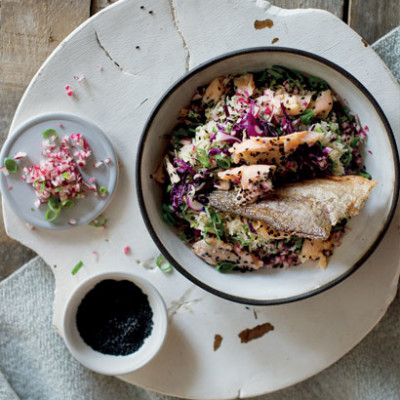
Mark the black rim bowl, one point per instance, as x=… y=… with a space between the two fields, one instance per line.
x=310 y=293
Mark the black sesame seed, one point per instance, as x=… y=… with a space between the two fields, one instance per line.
x=115 y=317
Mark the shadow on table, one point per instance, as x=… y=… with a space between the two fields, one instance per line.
x=12 y=253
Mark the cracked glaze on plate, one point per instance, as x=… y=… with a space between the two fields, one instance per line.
x=121 y=85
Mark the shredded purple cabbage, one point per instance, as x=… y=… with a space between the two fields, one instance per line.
x=225 y=137
x=183 y=167
x=269 y=130
x=254 y=126
x=286 y=122
x=214 y=151
x=251 y=227
x=312 y=162
x=226 y=111
x=177 y=193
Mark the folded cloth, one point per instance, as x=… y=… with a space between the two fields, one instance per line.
x=35 y=364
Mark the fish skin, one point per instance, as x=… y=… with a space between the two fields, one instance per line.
x=305 y=209
x=341 y=196
x=272 y=209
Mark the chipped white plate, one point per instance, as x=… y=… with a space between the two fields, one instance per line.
x=118 y=95
x=21 y=197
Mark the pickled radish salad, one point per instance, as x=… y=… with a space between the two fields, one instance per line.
x=246 y=161
x=57 y=180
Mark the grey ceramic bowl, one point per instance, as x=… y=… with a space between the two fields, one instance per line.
x=28 y=138
x=266 y=286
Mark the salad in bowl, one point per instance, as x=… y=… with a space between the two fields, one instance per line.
x=263 y=170
x=260 y=164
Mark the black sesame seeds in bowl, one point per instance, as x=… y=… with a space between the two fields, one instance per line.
x=114 y=323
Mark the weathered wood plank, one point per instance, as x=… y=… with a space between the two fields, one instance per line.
x=373 y=18
x=29 y=32
x=98 y=5
x=334 y=6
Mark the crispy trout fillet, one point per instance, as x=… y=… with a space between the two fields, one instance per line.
x=272 y=150
x=304 y=209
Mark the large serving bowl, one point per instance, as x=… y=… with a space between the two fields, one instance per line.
x=266 y=286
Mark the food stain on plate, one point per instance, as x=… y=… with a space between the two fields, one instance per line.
x=217 y=341
x=254 y=333
x=266 y=23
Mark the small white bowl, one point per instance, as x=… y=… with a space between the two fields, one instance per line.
x=111 y=364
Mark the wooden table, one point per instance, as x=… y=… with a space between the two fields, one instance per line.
x=31 y=29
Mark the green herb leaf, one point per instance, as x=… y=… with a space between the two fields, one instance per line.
x=103 y=190
x=346 y=158
x=243 y=242
x=365 y=175
x=51 y=215
x=10 y=165
x=49 y=134
x=203 y=158
x=225 y=266
x=185 y=237
x=167 y=215
x=162 y=263
x=299 y=244
x=77 y=268
x=67 y=204
x=318 y=129
x=42 y=186
x=223 y=162
x=217 y=226
x=355 y=142
x=317 y=84
x=98 y=223
x=181 y=133
x=307 y=117
x=54 y=204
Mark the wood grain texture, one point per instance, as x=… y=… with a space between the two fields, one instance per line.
x=98 y=5
x=373 y=18
x=334 y=6
x=29 y=31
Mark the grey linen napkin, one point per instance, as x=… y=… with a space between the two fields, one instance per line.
x=34 y=363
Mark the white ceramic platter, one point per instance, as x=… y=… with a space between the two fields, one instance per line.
x=121 y=86
x=28 y=138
